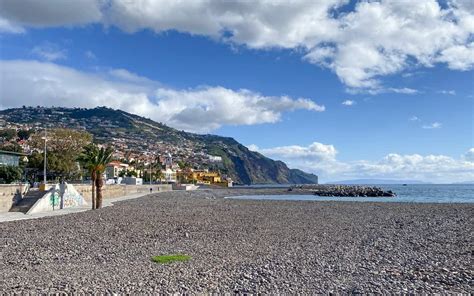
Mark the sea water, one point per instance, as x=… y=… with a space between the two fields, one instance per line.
x=432 y=193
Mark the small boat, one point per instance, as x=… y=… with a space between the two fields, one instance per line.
x=404 y=185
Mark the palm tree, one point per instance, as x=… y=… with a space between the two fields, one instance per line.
x=88 y=158
x=95 y=160
x=104 y=156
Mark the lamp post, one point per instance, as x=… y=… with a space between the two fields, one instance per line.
x=45 y=159
x=150 y=172
x=25 y=160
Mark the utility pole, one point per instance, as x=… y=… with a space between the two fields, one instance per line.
x=150 y=172
x=45 y=160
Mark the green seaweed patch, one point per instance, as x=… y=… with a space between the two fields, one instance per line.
x=165 y=259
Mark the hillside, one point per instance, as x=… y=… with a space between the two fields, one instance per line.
x=128 y=132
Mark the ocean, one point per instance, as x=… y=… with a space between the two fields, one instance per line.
x=422 y=193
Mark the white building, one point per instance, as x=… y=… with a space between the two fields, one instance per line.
x=132 y=181
x=169 y=175
x=113 y=169
x=168 y=161
x=213 y=158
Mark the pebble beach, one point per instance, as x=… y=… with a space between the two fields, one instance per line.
x=242 y=246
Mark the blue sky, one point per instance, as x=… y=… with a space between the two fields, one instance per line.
x=277 y=86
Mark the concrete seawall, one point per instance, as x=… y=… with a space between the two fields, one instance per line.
x=10 y=194
x=111 y=191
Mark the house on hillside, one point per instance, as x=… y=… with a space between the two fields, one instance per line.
x=204 y=177
x=10 y=158
x=169 y=176
x=113 y=169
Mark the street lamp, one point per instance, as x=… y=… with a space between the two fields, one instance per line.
x=150 y=171
x=45 y=160
x=25 y=161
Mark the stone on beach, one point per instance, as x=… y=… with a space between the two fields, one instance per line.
x=242 y=246
x=342 y=190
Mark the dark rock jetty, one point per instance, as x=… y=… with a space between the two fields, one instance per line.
x=342 y=190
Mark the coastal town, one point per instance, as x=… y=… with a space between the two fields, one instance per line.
x=216 y=147
x=135 y=159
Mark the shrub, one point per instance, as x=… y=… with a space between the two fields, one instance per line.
x=164 y=259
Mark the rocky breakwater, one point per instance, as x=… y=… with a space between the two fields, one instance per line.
x=342 y=190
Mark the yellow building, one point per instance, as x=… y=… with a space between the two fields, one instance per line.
x=204 y=177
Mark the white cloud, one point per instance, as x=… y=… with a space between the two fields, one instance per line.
x=433 y=125
x=253 y=147
x=408 y=33
x=414 y=118
x=383 y=90
x=314 y=152
x=50 y=13
x=208 y=108
x=199 y=109
x=447 y=92
x=321 y=159
x=458 y=57
x=7 y=27
x=348 y=103
x=404 y=90
x=469 y=155
x=49 y=52
x=90 y=55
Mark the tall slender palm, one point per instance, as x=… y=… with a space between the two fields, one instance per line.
x=88 y=158
x=104 y=156
x=96 y=160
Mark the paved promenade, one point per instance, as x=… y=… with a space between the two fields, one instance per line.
x=13 y=216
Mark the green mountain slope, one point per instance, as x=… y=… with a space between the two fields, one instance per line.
x=139 y=134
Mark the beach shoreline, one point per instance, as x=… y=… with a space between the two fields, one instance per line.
x=242 y=246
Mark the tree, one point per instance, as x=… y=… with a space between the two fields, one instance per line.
x=88 y=159
x=24 y=134
x=130 y=173
x=11 y=146
x=8 y=134
x=104 y=156
x=9 y=174
x=63 y=149
x=95 y=160
x=182 y=165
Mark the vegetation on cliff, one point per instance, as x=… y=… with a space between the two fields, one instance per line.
x=107 y=125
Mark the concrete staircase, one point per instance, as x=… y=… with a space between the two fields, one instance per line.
x=28 y=200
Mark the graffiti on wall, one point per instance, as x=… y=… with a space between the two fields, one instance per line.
x=65 y=196
x=54 y=199
x=72 y=198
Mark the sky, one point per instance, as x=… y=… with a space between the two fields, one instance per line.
x=342 y=89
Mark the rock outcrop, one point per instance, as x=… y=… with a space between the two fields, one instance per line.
x=342 y=190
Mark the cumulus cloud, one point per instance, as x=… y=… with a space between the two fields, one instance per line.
x=33 y=13
x=447 y=92
x=315 y=151
x=433 y=125
x=469 y=155
x=211 y=107
x=8 y=27
x=49 y=52
x=321 y=159
x=361 y=45
x=414 y=118
x=348 y=103
x=253 y=147
x=90 y=55
x=200 y=109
